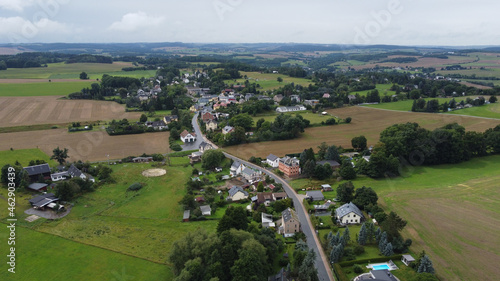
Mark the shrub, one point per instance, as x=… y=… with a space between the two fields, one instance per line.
x=176 y=147
x=348 y=120
x=357 y=268
x=358 y=250
x=135 y=186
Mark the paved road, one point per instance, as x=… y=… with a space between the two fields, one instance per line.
x=199 y=136
x=324 y=272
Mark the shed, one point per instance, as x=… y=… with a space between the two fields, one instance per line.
x=315 y=195
x=38 y=187
x=407 y=259
x=186 y=215
x=206 y=210
x=326 y=187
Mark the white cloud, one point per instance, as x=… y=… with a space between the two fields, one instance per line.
x=135 y=21
x=15 y=5
x=18 y=29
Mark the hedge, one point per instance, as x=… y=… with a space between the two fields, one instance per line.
x=339 y=273
x=371 y=260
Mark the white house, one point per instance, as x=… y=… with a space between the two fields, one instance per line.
x=349 y=214
x=267 y=220
x=228 y=129
x=59 y=176
x=273 y=160
x=283 y=109
x=206 y=210
x=188 y=137
x=204 y=146
x=237 y=193
x=236 y=168
x=74 y=172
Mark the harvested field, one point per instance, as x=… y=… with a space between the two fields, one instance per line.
x=365 y=121
x=88 y=146
x=19 y=111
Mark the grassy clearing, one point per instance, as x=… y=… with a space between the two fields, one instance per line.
x=315 y=118
x=383 y=89
x=24 y=156
x=49 y=257
x=268 y=81
x=489 y=111
x=63 y=70
x=42 y=89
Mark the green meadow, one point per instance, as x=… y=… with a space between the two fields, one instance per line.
x=383 y=89
x=268 y=81
x=24 y=156
x=315 y=118
x=406 y=105
x=488 y=111
x=42 y=89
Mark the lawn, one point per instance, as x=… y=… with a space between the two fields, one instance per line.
x=268 y=81
x=488 y=111
x=43 y=256
x=383 y=89
x=24 y=156
x=315 y=118
x=63 y=70
x=42 y=89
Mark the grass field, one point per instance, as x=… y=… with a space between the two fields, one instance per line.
x=365 y=121
x=63 y=71
x=20 y=111
x=488 y=111
x=24 y=156
x=268 y=81
x=43 y=89
x=315 y=118
x=383 y=89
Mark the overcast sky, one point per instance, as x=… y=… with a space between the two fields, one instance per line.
x=401 y=22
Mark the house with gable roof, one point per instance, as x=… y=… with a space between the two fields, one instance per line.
x=289 y=223
x=237 y=193
x=349 y=214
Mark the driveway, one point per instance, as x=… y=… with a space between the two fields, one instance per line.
x=48 y=214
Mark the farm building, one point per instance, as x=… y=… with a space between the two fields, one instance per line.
x=142 y=159
x=407 y=259
x=41 y=201
x=326 y=187
x=37 y=171
x=187 y=214
x=315 y=195
x=59 y=176
x=40 y=187
x=334 y=164
x=74 y=172
x=349 y=214
x=187 y=137
x=283 y=109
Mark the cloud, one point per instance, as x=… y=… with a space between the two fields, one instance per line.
x=15 y=5
x=135 y=21
x=18 y=29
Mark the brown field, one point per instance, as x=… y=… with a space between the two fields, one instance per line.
x=474 y=85
x=87 y=146
x=365 y=121
x=24 y=81
x=20 y=111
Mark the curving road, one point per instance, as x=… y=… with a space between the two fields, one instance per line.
x=199 y=136
x=322 y=264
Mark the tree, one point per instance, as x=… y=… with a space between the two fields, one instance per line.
x=251 y=262
x=212 y=159
x=392 y=225
x=60 y=155
x=260 y=187
x=370 y=231
x=322 y=149
x=332 y=153
x=242 y=120
x=348 y=120
x=347 y=171
x=426 y=265
x=388 y=251
x=66 y=190
x=322 y=172
x=382 y=242
x=309 y=168
x=346 y=236
x=279 y=79
x=362 y=237
x=345 y=192
x=174 y=134
x=84 y=76
x=234 y=217
x=365 y=196
x=492 y=99
x=336 y=253
x=123 y=93
x=359 y=143
x=307 y=270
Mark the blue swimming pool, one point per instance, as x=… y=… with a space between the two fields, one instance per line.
x=381 y=266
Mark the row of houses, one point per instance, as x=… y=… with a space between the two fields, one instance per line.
x=288 y=165
x=43 y=172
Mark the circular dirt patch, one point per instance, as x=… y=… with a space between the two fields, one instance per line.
x=154 y=173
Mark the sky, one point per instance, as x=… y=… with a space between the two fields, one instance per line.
x=394 y=22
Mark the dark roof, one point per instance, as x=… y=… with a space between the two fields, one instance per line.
x=264 y=196
x=272 y=157
x=316 y=195
x=37 y=169
x=248 y=171
x=37 y=186
x=287 y=160
x=204 y=145
x=74 y=171
x=236 y=164
x=383 y=275
x=332 y=163
x=288 y=214
x=43 y=200
x=235 y=190
x=348 y=208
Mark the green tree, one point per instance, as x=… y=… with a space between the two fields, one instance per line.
x=322 y=149
x=66 y=190
x=426 y=265
x=174 y=134
x=123 y=93
x=388 y=250
x=393 y=224
x=345 y=192
x=332 y=153
x=363 y=235
x=84 y=76
x=336 y=253
x=370 y=231
x=348 y=120
x=492 y=99
x=382 y=241
x=242 y=120
x=3 y=65
x=309 y=168
x=279 y=79
x=347 y=171
x=251 y=262
x=346 y=236
x=143 y=118
x=307 y=270
x=212 y=159
x=359 y=143
x=365 y=196
x=60 y=155
x=260 y=187
x=234 y=217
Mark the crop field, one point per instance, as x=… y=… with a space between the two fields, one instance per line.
x=63 y=70
x=17 y=111
x=24 y=156
x=365 y=121
x=129 y=231
x=268 y=81
x=452 y=214
x=42 y=89
x=87 y=146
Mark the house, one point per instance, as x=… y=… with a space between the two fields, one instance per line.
x=187 y=214
x=207 y=116
x=204 y=146
x=273 y=160
x=289 y=166
x=206 y=210
x=59 y=176
x=267 y=220
x=407 y=259
x=322 y=208
x=326 y=95
x=349 y=214
x=311 y=102
x=41 y=201
x=74 y=172
x=334 y=164
x=187 y=137
x=249 y=96
x=195 y=157
x=228 y=129
x=37 y=171
x=142 y=159
x=264 y=198
x=289 y=223
x=40 y=187
x=237 y=193
x=326 y=187
x=156 y=125
x=315 y=195
x=351 y=98
x=236 y=168
x=251 y=175
x=200 y=199
x=283 y=109
x=377 y=275
x=169 y=119
x=295 y=98
x=211 y=125
x=278 y=98
x=279 y=196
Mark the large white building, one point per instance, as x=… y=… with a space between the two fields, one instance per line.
x=283 y=109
